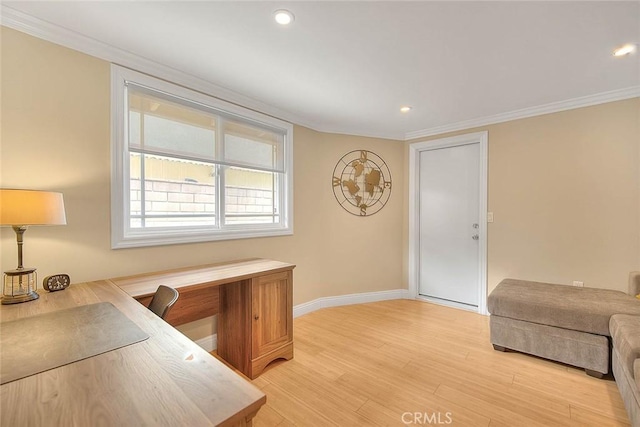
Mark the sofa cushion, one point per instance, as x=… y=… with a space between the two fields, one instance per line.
x=625 y=334
x=636 y=372
x=589 y=351
x=568 y=307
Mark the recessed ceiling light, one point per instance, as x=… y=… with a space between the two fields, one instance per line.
x=283 y=17
x=405 y=109
x=624 y=50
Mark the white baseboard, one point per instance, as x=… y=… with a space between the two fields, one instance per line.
x=210 y=343
x=336 y=301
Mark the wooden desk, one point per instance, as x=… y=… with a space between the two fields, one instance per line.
x=166 y=380
x=253 y=299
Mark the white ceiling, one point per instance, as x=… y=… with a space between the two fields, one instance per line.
x=347 y=67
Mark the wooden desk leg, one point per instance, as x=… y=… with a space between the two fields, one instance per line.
x=249 y=419
x=234 y=325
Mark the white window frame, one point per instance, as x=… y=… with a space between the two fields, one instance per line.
x=122 y=235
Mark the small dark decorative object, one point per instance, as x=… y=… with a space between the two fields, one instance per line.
x=361 y=182
x=56 y=282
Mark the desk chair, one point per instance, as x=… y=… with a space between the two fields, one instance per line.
x=163 y=300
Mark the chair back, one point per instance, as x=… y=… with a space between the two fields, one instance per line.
x=164 y=298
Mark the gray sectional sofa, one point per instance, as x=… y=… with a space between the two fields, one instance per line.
x=591 y=328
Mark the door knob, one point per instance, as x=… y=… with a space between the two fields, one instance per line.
x=475 y=237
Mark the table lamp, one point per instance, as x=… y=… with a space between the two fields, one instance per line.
x=19 y=209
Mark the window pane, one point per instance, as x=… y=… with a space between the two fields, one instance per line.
x=135 y=198
x=134 y=129
x=171 y=137
x=171 y=192
x=251 y=146
x=161 y=126
x=181 y=145
x=251 y=197
x=185 y=221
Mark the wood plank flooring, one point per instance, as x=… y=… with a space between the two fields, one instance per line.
x=406 y=362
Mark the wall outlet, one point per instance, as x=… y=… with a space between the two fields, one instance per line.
x=489 y=216
x=577 y=283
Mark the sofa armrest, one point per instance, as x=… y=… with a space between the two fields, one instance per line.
x=634 y=283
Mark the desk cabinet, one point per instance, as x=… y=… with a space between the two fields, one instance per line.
x=253 y=299
x=256 y=316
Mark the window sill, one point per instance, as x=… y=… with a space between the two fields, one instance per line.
x=148 y=239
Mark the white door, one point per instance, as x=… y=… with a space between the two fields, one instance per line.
x=449 y=224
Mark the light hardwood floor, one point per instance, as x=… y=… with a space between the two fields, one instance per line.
x=368 y=364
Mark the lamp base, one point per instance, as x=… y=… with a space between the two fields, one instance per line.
x=8 y=299
x=19 y=286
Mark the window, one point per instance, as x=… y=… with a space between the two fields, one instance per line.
x=187 y=167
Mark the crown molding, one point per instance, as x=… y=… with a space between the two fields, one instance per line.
x=53 y=33
x=56 y=34
x=554 y=107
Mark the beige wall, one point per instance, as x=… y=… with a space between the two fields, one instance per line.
x=55 y=136
x=564 y=187
x=565 y=192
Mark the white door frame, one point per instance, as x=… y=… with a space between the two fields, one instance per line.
x=414 y=208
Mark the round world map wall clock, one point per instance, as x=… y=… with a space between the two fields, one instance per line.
x=361 y=182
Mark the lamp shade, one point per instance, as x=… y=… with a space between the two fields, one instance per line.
x=29 y=207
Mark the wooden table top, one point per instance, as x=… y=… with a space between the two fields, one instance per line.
x=165 y=380
x=141 y=285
